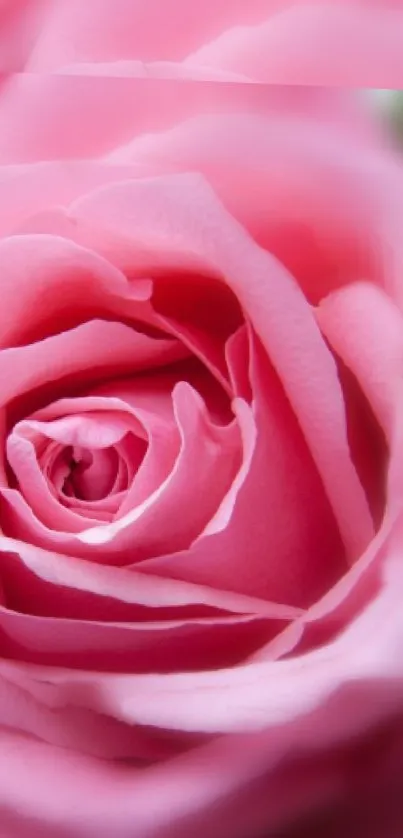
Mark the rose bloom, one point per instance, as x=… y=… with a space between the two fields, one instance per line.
x=201 y=356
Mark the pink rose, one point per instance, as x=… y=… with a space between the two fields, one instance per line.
x=200 y=377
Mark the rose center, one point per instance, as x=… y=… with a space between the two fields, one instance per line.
x=92 y=474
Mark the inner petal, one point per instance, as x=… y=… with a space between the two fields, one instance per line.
x=92 y=473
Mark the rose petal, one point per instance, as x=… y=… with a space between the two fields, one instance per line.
x=62 y=285
x=284 y=175
x=196 y=791
x=170 y=645
x=340 y=690
x=333 y=43
x=366 y=330
x=274 y=534
x=95 y=349
x=156 y=69
x=36 y=490
x=147 y=403
x=80 y=730
x=39 y=110
x=126 y=586
x=94 y=33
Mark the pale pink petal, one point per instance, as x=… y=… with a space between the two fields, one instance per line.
x=365 y=328
x=88 y=430
x=89 y=435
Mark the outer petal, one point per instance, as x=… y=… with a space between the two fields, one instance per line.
x=268 y=40
x=311 y=704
